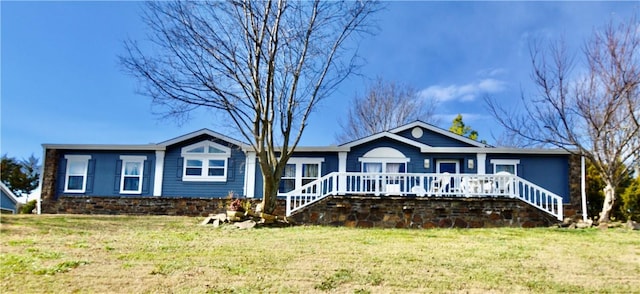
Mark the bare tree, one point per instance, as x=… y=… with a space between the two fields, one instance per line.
x=264 y=65
x=385 y=106
x=595 y=112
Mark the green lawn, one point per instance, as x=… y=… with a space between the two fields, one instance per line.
x=123 y=254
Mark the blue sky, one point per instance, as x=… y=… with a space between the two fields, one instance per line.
x=61 y=81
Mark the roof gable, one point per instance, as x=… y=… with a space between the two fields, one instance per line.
x=200 y=133
x=5 y=190
x=385 y=135
x=438 y=131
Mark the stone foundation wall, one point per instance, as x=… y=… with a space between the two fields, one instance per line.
x=141 y=205
x=402 y=212
x=349 y=211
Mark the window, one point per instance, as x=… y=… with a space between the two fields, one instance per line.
x=310 y=172
x=505 y=165
x=448 y=166
x=131 y=177
x=299 y=172
x=76 y=173
x=205 y=161
x=384 y=166
x=288 y=180
x=384 y=160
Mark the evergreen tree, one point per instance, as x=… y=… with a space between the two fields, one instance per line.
x=21 y=177
x=458 y=127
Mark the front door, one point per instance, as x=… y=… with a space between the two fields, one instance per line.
x=448 y=166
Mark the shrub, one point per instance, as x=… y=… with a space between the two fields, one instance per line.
x=28 y=207
x=630 y=207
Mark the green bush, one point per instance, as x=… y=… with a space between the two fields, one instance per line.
x=28 y=207
x=630 y=207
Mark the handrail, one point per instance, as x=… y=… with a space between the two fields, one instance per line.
x=419 y=184
x=310 y=193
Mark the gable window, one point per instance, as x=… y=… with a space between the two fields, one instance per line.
x=76 y=173
x=384 y=160
x=505 y=165
x=205 y=161
x=299 y=172
x=131 y=176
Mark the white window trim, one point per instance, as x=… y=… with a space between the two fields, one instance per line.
x=205 y=157
x=383 y=155
x=384 y=162
x=138 y=159
x=298 y=162
x=76 y=158
x=514 y=162
x=438 y=162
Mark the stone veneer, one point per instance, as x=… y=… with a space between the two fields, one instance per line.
x=573 y=209
x=141 y=205
x=423 y=212
x=48 y=190
x=349 y=211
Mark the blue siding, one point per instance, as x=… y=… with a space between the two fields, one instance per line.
x=434 y=139
x=548 y=171
x=6 y=203
x=258 y=188
x=415 y=165
x=173 y=186
x=329 y=165
x=104 y=170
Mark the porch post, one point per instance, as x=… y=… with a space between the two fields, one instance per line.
x=342 y=169
x=250 y=175
x=583 y=189
x=159 y=171
x=481 y=159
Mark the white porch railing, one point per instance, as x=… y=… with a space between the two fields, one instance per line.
x=420 y=185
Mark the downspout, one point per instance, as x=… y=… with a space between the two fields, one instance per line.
x=583 y=188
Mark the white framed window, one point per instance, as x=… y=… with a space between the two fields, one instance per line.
x=384 y=159
x=383 y=165
x=76 y=173
x=299 y=172
x=205 y=161
x=131 y=176
x=505 y=165
x=448 y=166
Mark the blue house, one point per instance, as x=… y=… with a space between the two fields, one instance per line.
x=8 y=201
x=414 y=161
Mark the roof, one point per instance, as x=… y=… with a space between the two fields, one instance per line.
x=158 y=147
x=200 y=133
x=9 y=193
x=477 y=147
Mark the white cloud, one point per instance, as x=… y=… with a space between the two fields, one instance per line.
x=491 y=72
x=467 y=92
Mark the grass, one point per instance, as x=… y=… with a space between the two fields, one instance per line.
x=125 y=254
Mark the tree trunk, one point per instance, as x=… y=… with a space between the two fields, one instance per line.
x=269 y=194
x=607 y=205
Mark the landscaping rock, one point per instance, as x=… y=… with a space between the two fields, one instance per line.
x=583 y=225
x=633 y=225
x=245 y=224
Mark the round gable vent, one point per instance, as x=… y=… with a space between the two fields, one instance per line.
x=416 y=132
